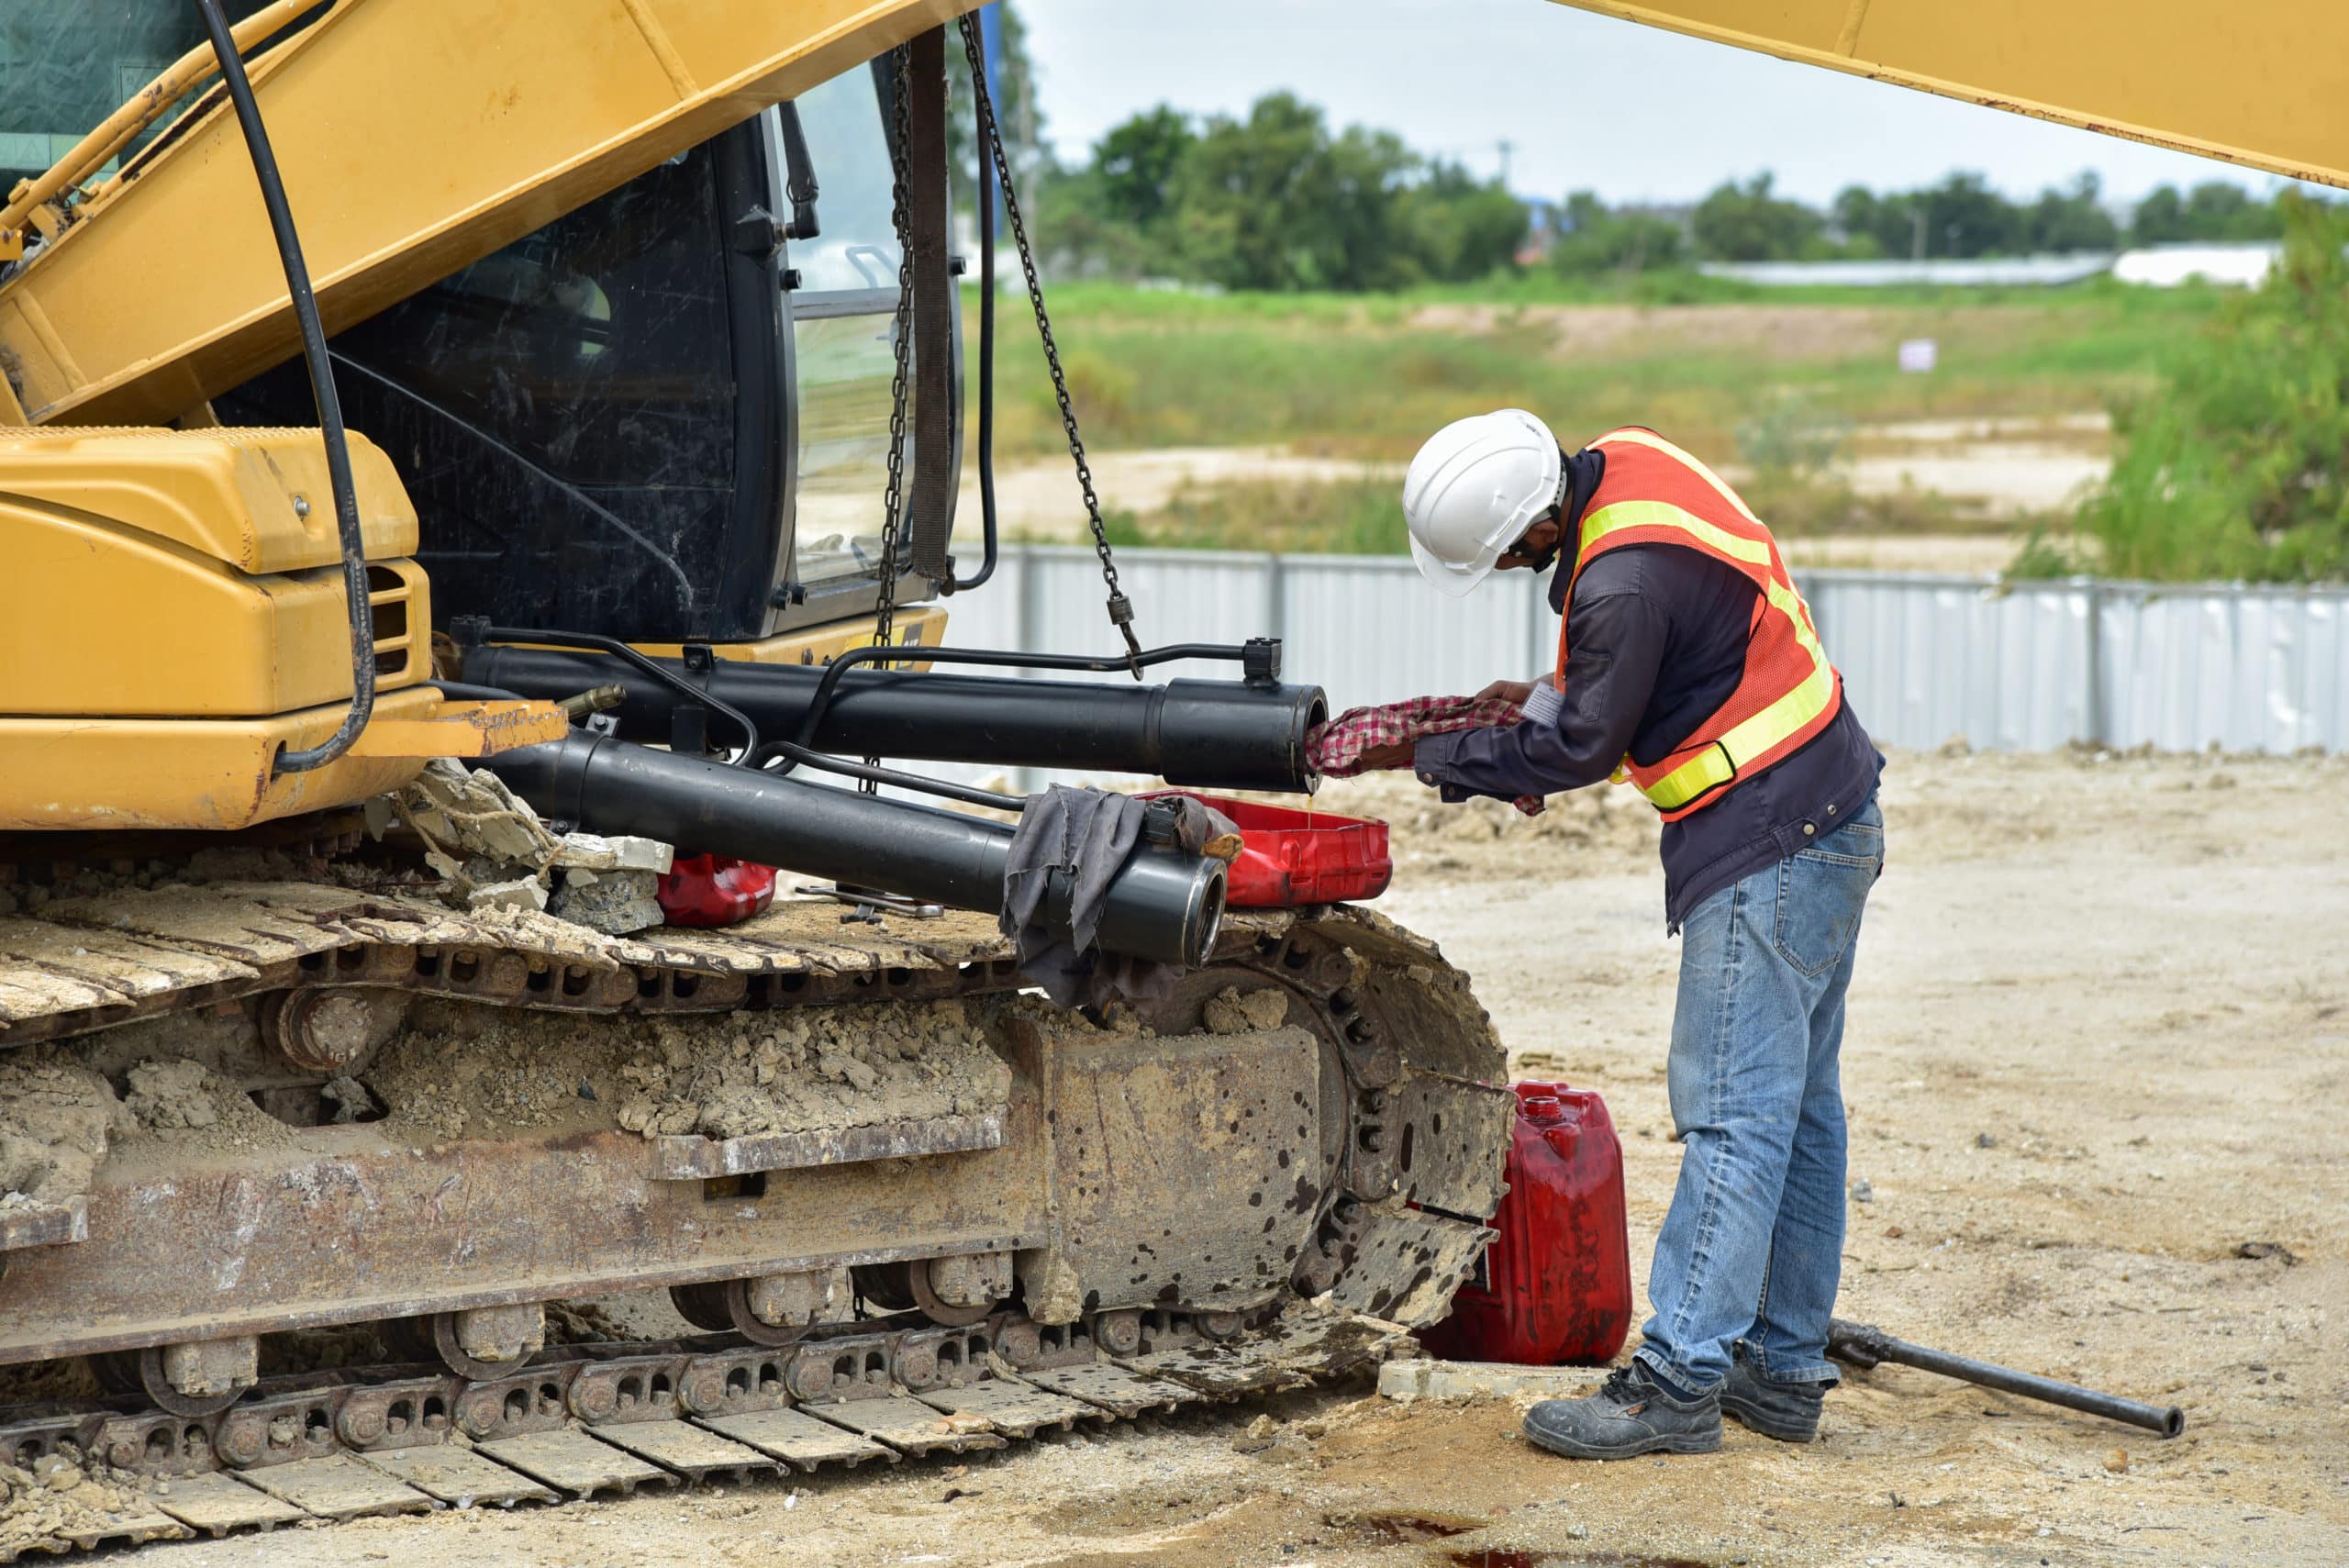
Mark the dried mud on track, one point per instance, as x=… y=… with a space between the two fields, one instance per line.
x=2099 y=1040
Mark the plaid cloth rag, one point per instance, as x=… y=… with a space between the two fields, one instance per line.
x=1337 y=747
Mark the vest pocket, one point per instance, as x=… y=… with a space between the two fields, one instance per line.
x=1820 y=895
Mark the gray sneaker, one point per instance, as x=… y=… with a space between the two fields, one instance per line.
x=1786 y=1411
x=1631 y=1414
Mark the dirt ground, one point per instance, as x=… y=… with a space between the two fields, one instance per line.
x=2099 y=1050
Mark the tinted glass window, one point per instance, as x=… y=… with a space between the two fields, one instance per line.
x=843 y=327
x=562 y=412
x=65 y=65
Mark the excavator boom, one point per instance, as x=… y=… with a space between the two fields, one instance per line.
x=416 y=136
x=421 y=135
x=2263 y=87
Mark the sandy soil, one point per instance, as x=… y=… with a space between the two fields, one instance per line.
x=2099 y=1042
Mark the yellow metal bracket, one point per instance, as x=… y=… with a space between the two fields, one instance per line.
x=470 y=729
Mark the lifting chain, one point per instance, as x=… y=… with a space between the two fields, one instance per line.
x=892 y=500
x=1122 y=609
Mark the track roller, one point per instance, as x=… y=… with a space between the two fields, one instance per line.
x=199 y=1377
x=484 y=1342
x=771 y=1310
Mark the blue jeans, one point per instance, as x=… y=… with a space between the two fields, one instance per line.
x=1753 y=1242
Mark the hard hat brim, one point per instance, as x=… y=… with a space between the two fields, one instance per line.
x=1453 y=582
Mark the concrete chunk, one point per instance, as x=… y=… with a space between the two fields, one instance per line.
x=1472 y=1380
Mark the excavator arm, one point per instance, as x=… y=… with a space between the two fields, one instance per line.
x=2266 y=86
x=415 y=137
x=418 y=135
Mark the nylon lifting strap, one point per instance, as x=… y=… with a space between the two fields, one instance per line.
x=930 y=504
x=1722 y=759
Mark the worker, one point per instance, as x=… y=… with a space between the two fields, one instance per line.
x=1688 y=666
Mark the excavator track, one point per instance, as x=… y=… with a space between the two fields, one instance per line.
x=1266 y=1176
x=596 y=1419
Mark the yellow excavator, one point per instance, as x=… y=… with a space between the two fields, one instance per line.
x=460 y=463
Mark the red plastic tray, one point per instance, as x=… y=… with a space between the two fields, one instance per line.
x=1289 y=857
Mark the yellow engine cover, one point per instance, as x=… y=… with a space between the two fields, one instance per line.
x=193 y=573
x=172 y=615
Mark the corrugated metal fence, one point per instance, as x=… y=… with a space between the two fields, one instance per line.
x=2027 y=665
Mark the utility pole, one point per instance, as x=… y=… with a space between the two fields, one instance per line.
x=1507 y=148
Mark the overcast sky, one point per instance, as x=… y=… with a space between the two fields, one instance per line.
x=1590 y=102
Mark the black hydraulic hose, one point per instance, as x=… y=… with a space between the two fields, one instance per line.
x=313 y=355
x=974 y=48
x=466 y=691
x=753 y=754
x=618 y=649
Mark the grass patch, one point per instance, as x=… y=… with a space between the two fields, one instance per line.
x=1341 y=517
x=1347 y=375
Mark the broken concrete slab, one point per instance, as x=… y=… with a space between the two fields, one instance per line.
x=1429 y=1379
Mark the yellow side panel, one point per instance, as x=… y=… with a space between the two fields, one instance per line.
x=99 y=620
x=258 y=499
x=2266 y=86
x=186 y=772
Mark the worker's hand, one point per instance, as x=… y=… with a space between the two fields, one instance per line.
x=1507 y=691
x=1394 y=754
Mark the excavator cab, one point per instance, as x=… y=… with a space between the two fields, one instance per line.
x=662 y=417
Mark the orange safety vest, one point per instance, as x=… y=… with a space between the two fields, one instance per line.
x=1652 y=493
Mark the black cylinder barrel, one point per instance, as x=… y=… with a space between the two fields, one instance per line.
x=1163 y=905
x=1198 y=734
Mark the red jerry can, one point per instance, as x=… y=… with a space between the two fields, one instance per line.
x=1555 y=1285
x=713 y=890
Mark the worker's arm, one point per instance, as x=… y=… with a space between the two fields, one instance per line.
x=1616 y=650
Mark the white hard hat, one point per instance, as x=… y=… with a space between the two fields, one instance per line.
x=1473 y=490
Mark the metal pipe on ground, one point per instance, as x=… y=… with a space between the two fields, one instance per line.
x=1163 y=905
x=1863 y=1346
x=1196 y=734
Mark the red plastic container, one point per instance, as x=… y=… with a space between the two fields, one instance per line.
x=1555 y=1285
x=1289 y=857
x=713 y=890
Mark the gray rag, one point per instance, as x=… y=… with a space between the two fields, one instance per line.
x=1087 y=834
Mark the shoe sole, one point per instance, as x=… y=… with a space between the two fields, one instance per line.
x=1677 y=1442
x=1754 y=1420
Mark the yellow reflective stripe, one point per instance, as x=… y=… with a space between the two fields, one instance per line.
x=1654 y=442
x=1665 y=514
x=1708 y=769
x=1719 y=762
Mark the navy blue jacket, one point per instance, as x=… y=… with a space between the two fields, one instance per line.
x=1659 y=644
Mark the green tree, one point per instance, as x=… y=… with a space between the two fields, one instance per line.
x=1016 y=112
x=1591 y=239
x=2160 y=219
x=1137 y=163
x=2219 y=209
x=1746 y=223
x=2070 y=221
x=2214 y=210
x=1274 y=202
x=1965 y=217
x=1461 y=228
x=2238 y=465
